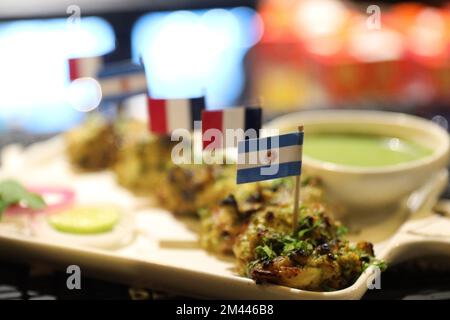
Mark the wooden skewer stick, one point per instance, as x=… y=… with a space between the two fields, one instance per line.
x=120 y=109
x=296 y=196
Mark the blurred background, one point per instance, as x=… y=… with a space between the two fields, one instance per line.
x=286 y=54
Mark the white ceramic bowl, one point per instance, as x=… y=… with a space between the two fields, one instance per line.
x=374 y=186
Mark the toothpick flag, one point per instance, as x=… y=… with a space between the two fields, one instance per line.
x=84 y=67
x=167 y=115
x=122 y=80
x=269 y=158
x=231 y=118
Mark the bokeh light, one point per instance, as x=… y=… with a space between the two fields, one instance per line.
x=34 y=75
x=84 y=94
x=190 y=53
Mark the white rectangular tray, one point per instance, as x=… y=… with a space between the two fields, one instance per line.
x=148 y=260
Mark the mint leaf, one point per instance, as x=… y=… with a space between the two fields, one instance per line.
x=33 y=201
x=3 y=207
x=12 y=192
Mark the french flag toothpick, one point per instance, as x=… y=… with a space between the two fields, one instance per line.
x=166 y=115
x=122 y=80
x=243 y=118
x=84 y=67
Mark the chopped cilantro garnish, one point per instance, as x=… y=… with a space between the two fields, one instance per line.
x=265 y=252
x=341 y=231
x=382 y=265
x=281 y=245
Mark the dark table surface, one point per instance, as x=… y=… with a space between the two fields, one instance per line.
x=417 y=279
x=424 y=278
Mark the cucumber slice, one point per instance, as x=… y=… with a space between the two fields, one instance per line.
x=85 y=220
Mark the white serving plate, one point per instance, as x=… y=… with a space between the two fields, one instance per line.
x=162 y=254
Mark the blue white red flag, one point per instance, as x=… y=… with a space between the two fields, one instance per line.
x=84 y=67
x=166 y=115
x=235 y=118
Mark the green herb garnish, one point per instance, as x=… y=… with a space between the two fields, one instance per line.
x=13 y=193
x=281 y=245
x=341 y=231
x=382 y=265
x=265 y=252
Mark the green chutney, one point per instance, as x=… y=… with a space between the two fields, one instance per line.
x=362 y=150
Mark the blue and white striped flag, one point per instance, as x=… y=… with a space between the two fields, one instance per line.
x=270 y=157
x=122 y=80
